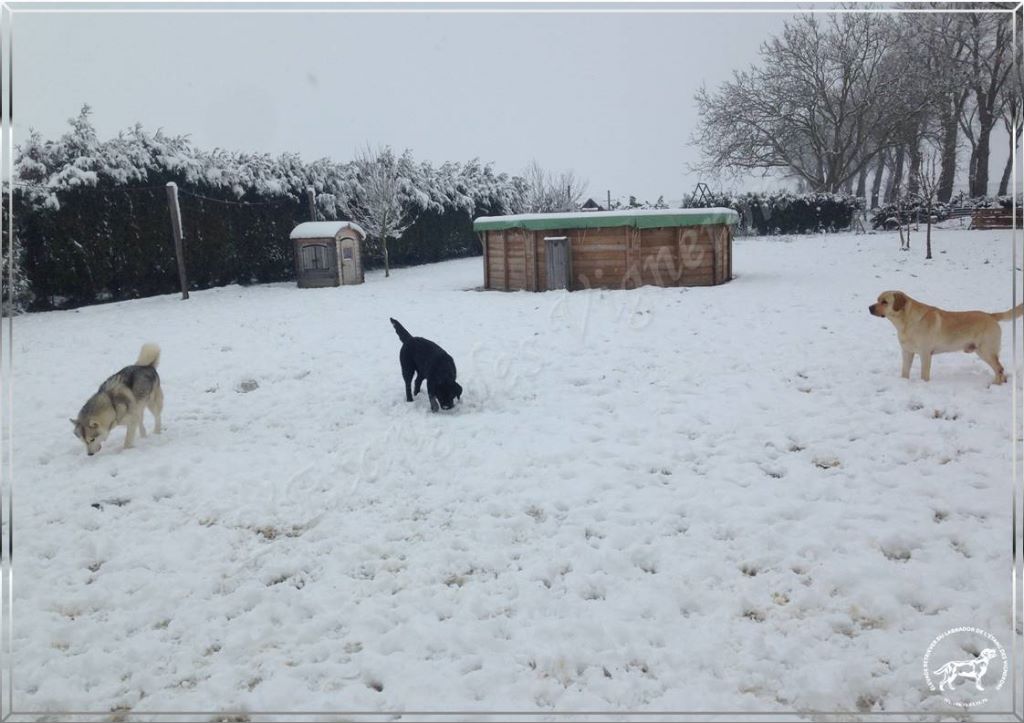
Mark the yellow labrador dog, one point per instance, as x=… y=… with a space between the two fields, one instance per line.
x=927 y=330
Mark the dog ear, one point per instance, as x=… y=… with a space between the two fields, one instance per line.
x=73 y=421
x=899 y=300
x=94 y=424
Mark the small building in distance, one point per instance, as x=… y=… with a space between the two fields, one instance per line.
x=328 y=253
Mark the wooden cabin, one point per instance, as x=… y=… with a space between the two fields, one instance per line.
x=607 y=249
x=328 y=253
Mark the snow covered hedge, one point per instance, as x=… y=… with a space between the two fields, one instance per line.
x=783 y=212
x=913 y=209
x=93 y=221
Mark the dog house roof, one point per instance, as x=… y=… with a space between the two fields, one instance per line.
x=325 y=229
x=651 y=218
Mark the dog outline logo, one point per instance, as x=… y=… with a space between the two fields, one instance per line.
x=956 y=674
x=967 y=669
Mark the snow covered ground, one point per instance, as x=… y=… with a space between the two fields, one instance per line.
x=663 y=499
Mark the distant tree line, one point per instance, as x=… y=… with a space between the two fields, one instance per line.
x=840 y=100
x=92 y=222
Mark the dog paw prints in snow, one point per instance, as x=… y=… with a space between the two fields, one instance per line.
x=247 y=385
x=896 y=550
x=754 y=615
x=113 y=501
x=826 y=462
x=749 y=569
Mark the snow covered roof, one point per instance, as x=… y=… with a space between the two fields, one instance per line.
x=325 y=229
x=650 y=218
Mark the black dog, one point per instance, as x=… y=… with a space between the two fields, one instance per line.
x=428 y=361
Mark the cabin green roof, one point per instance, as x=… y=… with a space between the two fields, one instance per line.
x=653 y=218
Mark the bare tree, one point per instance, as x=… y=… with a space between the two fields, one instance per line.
x=929 y=182
x=827 y=99
x=547 y=193
x=990 y=61
x=1012 y=106
x=937 y=44
x=374 y=202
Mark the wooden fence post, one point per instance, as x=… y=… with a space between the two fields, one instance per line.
x=172 y=204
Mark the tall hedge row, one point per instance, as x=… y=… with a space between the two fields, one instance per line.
x=108 y=244
x=783 y=212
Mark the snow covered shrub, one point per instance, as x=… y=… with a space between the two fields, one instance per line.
x=915 y=210
x=18 y=296
x=783 y=212
x=93 y=217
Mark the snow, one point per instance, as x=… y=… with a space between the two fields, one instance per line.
x=590 y=215
x=660 y=499
x=325 y=229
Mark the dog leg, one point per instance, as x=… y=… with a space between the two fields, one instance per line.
x=419 y=383
x=156 y=406
x=908 y=359
x=129 y=435
x=992 y=359
x=926 y=365
x=434 y=406
x=142 y=427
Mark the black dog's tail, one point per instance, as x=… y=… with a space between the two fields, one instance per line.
x=400 y=330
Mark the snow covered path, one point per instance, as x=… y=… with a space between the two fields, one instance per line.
x=708 y=498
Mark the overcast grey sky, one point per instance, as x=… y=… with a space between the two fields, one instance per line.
x=609 y=96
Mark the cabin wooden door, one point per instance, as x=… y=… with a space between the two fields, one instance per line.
x=349 y=272
x=558 y=263
x=318 y=264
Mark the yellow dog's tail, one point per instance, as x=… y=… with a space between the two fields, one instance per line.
x=1010 y=314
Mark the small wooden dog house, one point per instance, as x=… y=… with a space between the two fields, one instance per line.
x=607 y=249
x=328 y=253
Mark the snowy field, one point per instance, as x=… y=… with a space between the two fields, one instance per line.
x=715 y=498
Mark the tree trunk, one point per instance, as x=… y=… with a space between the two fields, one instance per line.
x=972 y=169
x=950 y=129
x=1004 y=182
x=913 y=172
x=928 y=238
x=892 y=187
x=876 y=185
x=387 y=266
x=979 y=186
x=862 y=182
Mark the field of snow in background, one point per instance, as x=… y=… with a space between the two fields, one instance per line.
x=663 y=499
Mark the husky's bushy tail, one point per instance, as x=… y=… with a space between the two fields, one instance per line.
x=149 y=355
x=400 y=330
x=1010 y=314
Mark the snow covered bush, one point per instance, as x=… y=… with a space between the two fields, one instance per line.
x=17 y=296
x=913 y=209
x=783 y=212
x=93 y=219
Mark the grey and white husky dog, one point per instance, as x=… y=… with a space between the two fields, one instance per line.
x=121 y=399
